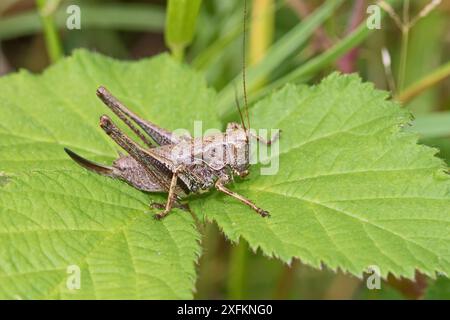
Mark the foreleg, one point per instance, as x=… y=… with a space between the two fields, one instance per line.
x=220 y=186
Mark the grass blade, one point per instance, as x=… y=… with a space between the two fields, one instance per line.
x=433 y=125
x=277 y=54
x=123 y=17
x=306 y=71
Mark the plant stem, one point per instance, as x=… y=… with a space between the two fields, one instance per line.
x=180 y=25
x=404 y=46
x=425 y=83
x=403 y=58
x=178 y=52
x=286 y=281
x=4 y=65
x=237 y=271
x=52 y=40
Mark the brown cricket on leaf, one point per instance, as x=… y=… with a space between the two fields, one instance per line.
x=177 y=165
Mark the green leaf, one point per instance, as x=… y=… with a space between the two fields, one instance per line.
x=43 y=114
x=352 y=190
x=443 y=144
x=54 y=214
x=50 y=221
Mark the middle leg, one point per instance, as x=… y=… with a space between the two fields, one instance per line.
x=172 y=195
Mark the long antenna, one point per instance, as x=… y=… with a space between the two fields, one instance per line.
x=243 y=63
x=238 y=106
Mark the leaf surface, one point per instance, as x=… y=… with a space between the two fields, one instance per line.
x=54 y=215
x=352 y=190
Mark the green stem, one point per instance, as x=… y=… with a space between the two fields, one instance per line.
x=52 y=40
x=404 y=47
x=177 y=52
x=237 y=271
x=403 y=58
x=180 y=25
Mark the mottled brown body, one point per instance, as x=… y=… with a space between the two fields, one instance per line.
x=178 y=165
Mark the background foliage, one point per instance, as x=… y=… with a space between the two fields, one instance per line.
x=299 y=41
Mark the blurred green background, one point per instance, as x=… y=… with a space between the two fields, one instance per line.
x=287 y=41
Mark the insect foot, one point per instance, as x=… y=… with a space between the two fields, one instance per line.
x=222 y=188
x=162 y=206
x=159 y=216
x=263 y=213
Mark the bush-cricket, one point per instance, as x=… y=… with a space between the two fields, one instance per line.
x=177 y=165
